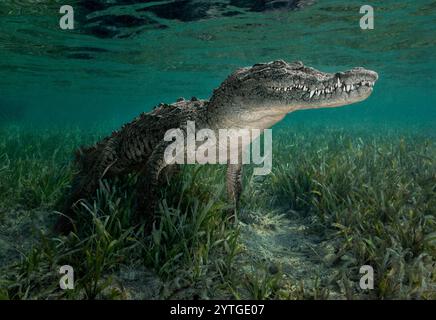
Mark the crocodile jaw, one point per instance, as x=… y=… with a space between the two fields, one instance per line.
x=333 y=90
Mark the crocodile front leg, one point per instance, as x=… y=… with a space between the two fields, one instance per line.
x=234 y=185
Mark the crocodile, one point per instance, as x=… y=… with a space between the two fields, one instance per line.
x=255 y=97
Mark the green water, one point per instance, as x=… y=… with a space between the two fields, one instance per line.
x=107 y=74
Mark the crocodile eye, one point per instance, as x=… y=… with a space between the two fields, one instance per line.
x=296 y=65
x=279 y=63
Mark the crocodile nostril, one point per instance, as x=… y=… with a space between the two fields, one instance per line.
x=297 y=64
x=374 y=74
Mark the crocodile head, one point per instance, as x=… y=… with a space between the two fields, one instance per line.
x=267 y=91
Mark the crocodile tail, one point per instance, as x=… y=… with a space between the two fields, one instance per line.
x=81 y=188
x=83 y=181
x=65 y=221
x=85 y=157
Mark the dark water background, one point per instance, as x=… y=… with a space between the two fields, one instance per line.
x=125 y=56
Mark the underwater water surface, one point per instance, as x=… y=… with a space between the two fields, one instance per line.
x=349 y=186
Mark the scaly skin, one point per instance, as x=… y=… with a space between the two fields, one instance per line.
x=250 y=98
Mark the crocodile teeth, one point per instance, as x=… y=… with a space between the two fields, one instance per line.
x=311 y=94
x=338 y=86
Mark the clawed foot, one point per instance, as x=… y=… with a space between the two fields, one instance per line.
x=63 y=225
x=65 y=222
x=232 y=215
